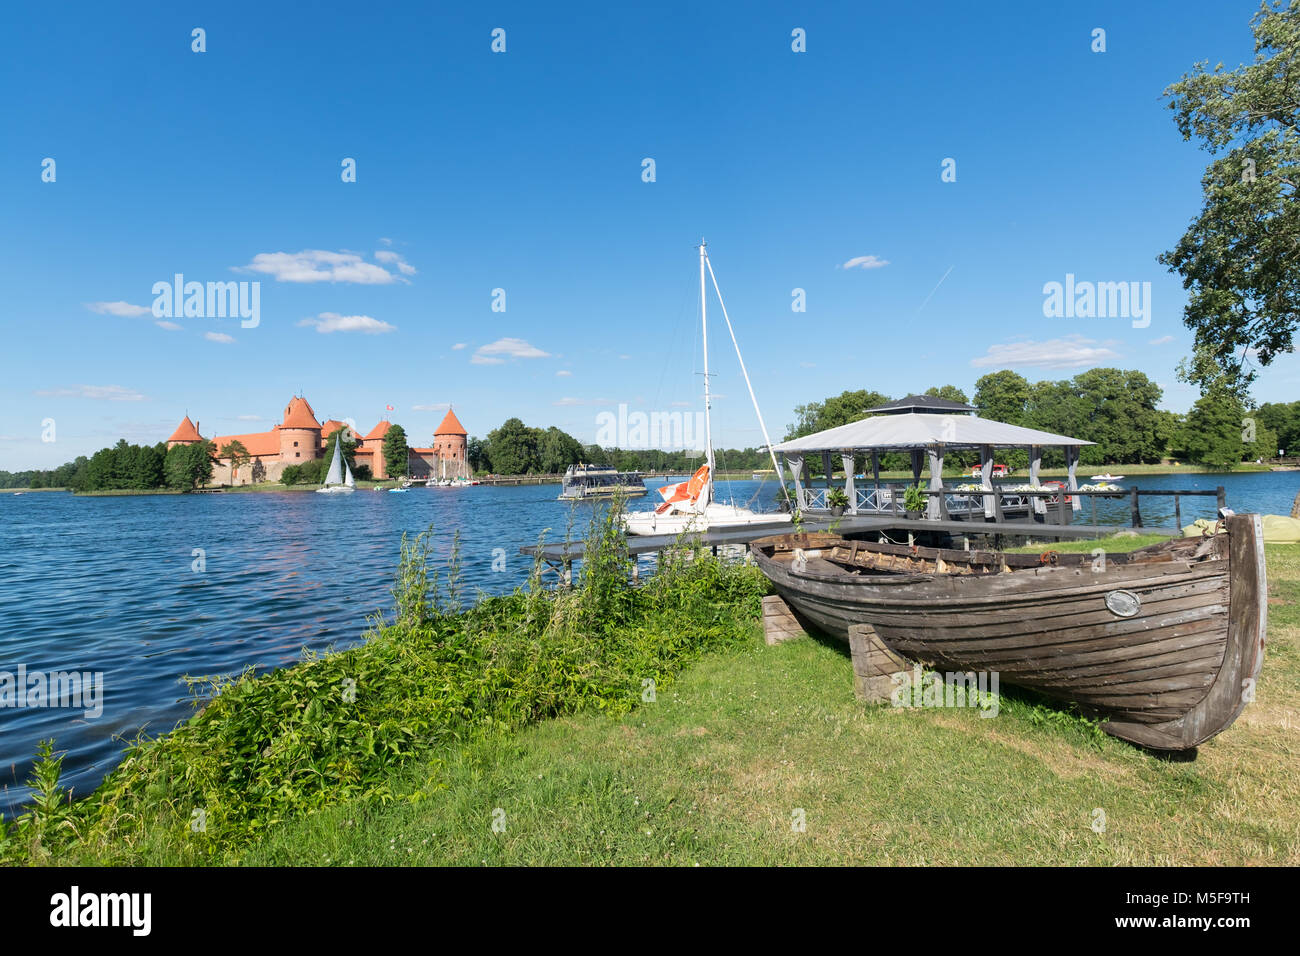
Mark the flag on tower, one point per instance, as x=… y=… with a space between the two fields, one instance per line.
x=389 y=407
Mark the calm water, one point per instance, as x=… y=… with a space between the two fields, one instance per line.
x=107 y=585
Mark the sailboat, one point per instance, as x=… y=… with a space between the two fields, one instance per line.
x=339 y=479
x=690 y=505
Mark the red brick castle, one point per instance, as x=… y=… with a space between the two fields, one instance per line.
x=301 y=438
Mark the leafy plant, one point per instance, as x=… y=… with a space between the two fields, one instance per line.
x=837 y=498
x=914 y=499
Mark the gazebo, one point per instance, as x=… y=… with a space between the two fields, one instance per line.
x=921 y=426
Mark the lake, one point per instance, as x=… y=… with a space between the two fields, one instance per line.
x=113 y=585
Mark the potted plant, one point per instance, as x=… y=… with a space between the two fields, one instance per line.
x=914 y=501
x=838 y=501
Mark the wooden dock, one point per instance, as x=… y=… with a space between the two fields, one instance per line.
x=559 y=553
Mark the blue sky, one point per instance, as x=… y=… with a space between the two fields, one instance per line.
x=522 y=171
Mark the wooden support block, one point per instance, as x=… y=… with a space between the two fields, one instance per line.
x=779 y=622
x=873 y=663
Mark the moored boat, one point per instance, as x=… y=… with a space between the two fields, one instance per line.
x=583 y=481
x=1165 y=642
x=691 y=506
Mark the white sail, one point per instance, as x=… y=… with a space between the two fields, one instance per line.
x=348 y=481
x=335 y=476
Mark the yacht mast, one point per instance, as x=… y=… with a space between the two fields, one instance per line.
x=707 y=495
x=761 y=424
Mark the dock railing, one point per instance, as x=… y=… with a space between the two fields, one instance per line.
x=1058 y=503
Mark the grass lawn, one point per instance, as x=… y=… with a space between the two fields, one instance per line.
x=721 y=769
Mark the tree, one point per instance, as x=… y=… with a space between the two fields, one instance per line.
x=189 y=466
x=1118 y=409
x=476 y=454
x=238 y=455
x=512 y=448
x=1282 y=418
x=397 y=457
x=950 y=393
x=557 y=450
x=1211 y=435
x=1238 y=256
x=840 y=410
x=1002 y=396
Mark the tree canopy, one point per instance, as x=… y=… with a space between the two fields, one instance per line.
x=397 y=456
x=1238 y=258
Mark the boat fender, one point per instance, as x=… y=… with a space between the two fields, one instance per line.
x=800 y=562
x=1050 y=557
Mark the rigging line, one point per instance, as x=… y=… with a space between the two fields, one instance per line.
x=763 y=425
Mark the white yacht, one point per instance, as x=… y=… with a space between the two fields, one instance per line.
x=690 y=505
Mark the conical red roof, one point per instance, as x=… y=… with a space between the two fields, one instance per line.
x=186 y=431
x=450 y=425
x=379 y=431
x=298 y=414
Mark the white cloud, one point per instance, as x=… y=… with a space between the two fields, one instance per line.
x=681 y=404
x=564 y=373
x=436 y=407
x=221 y=337
x=169 y=326
x=124 y=309
x=393 y=258
x=319 y=265
x=807 y=365
x=251 y=418
x=625 y=356
x=1163 y=340
x=865 y=262
x=385 y=240
x=111 y=393
x=492 y=353
x=1073 y=351
x=328 y=322
x=458 y=346
x=569 y=401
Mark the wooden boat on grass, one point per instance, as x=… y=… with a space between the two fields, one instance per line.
x=1165 y=642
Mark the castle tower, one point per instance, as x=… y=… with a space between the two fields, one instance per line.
x=451 y=444
x=187 y=433
x=299 y=433
x=374 y=441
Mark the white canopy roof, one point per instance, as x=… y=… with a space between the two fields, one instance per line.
x=892 y=432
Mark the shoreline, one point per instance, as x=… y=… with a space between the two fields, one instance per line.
x=1130 y=472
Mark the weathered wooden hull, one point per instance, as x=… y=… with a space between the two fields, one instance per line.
x=1165 y=644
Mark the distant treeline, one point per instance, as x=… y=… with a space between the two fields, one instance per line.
x=124 y=467
x=517 y=449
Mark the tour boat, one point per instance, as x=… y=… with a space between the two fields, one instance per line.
x=1165 y=642
x=1108 y=477
x=689 y=506
x=583 y=481
x=335 y=482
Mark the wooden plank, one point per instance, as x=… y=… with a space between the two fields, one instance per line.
x=873 y=665
x=779 y=622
